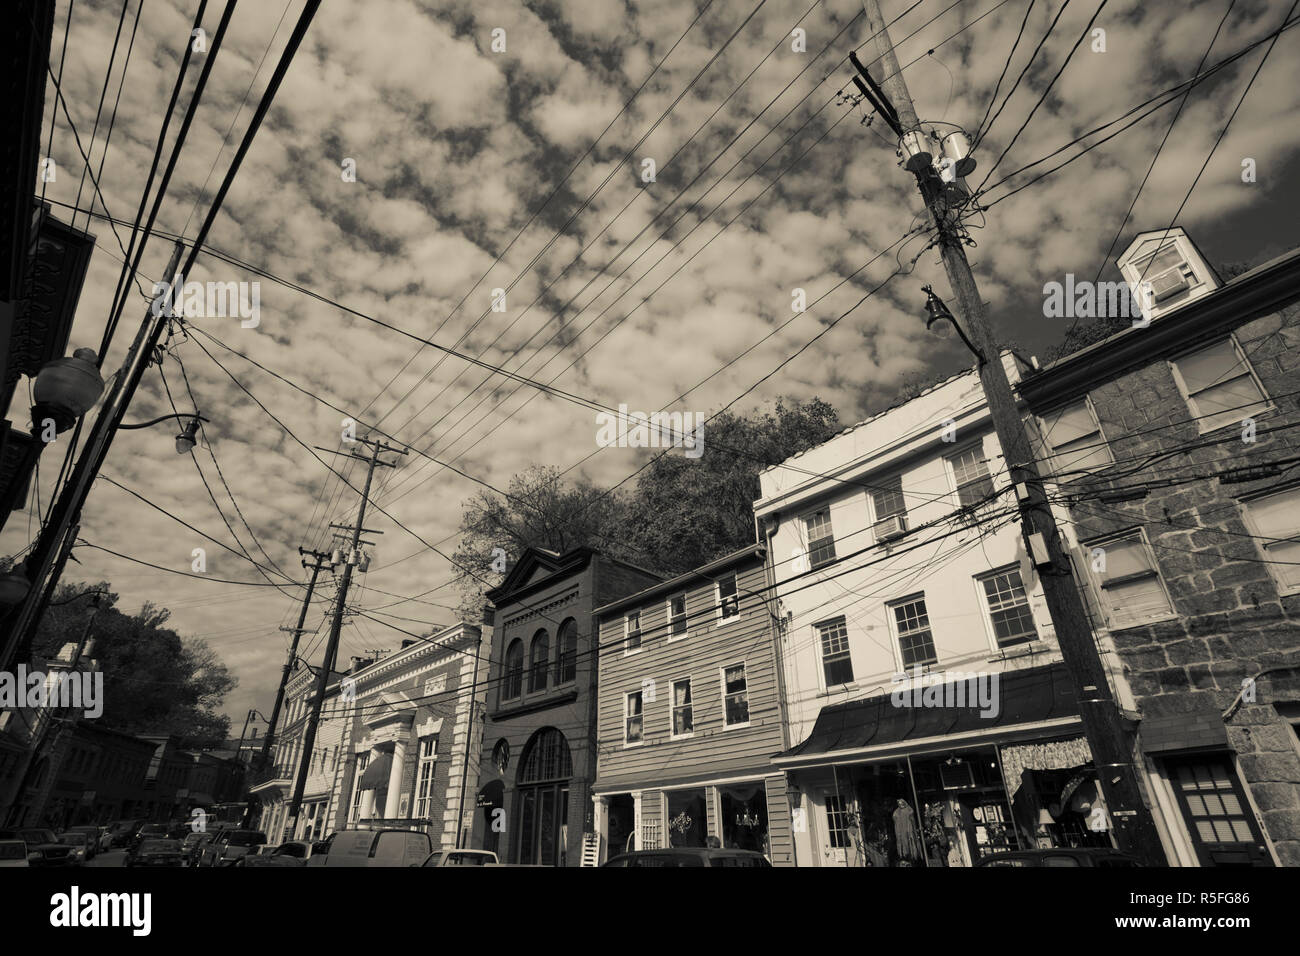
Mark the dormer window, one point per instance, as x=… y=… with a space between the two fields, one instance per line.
x=1165 y=270
x=1164 y=275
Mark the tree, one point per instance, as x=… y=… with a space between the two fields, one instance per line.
x=155 y=681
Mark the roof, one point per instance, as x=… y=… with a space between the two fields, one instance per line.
x=703 y=571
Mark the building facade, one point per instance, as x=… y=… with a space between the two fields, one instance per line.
x=1174 y=446
x=539 y=740
x=931 y=719
x=689 y=715
x=411 y=735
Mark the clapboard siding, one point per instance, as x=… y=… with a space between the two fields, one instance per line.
x=779 y=822
x=713 y=751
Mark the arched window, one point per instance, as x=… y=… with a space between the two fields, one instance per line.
x=566 y=669
x=539 y=659
x=543 y=799
x=546 y=757
x=514 y=670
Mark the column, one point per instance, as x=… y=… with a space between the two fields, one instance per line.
x=636 y=820
x=391 y=807
x=600 y=824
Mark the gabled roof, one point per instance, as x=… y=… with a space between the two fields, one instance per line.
x=704 y=571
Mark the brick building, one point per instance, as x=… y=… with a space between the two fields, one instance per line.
x=1174 y=446
x=539 y=740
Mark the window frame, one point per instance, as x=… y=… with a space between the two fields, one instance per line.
x=847 y=655
x=673 y=707
x=628 y=716
x=977 y=447
x=876 y=516
x=511 y=673
x=890 y=606
x=628 y=647
x=984 y=598
x=1051 y=451
x=1259 y=534
x=719 y=600
x=722 y=686
x=425 y=768
x=563 y=658
x=806 y=519
x=685 y=617
x=542 y=667
x=1100 y=589
x=1203 y=426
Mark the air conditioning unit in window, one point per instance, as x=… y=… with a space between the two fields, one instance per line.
x=892 y=527
x=1168 y=283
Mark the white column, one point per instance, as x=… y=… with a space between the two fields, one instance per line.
x=636 y=820
x=391 y=807
x=367 y=796
x=600 y=820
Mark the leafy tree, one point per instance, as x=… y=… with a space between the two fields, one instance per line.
x=155 y=681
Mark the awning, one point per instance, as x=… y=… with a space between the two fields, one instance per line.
x=376 y=775
x=1034 y=695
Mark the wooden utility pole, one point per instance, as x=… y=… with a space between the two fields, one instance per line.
x=1112 y=744
x=351 y=559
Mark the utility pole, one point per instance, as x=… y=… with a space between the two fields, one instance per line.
x=57 y=537
x=351 y=559
x=320 y=561
x=1112 y=745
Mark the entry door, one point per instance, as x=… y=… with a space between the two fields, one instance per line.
x=833 y=828
x=1215 y=810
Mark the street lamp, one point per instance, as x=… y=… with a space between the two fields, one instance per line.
x=937 y=311
x=66 y=389
x=186 y=439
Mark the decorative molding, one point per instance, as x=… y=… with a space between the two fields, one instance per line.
x=540 y=610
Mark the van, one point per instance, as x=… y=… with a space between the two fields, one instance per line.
x=373 y=848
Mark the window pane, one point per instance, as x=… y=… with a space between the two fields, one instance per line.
x=1228 y=402
x=836 y=659
x=677 y=613
x=1070 y=424
x=914 y=636
x=821 y=540
x=736 y=703
x=1277 y=515
x=1210 y=366
x=888 y=499
x=1139 y=599
x=1124 y=557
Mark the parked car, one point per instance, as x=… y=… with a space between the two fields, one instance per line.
x=229 y=846
x=293 y=853
x=147 y=831
x=460 y=858
x=1062 y=856
x=105 y=838
x=124 y=831
x=43 y=847
x=374 y=848
x=177 y=829
x=689 y=856
x=13 y=853
x=82 y=843
x=158 y=853
x=92 y=835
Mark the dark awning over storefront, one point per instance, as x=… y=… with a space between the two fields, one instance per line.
x=1029 y=696
x=376 y=775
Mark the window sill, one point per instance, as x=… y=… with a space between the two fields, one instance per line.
x=1266 y=412
x=633 y=745
x=1113 y=626
x=727 y=727
x=681 y=736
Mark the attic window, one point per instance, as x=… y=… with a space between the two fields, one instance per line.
x=1164 y=274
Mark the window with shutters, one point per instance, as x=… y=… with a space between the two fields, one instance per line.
x=1008 y=605
x=837 y=664
x=1128 y=579
x=1076 y=441
x=1219 y=385
x=1274 y=520
x=821 y=539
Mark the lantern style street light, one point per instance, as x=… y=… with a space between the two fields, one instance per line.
x=937 y=311
x=65 y=389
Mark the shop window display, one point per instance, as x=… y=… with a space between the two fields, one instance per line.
x=744 y=817
x=688 y=823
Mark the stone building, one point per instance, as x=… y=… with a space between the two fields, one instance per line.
x=1173 y=443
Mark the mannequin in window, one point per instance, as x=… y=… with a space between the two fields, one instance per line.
x=905 y=835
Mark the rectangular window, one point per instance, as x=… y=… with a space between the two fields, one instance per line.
x=1075 y=438
x=735 y=696
x=1275 y=521
x=424 y=777
x=914 y=637
x=1009 y=607
x=837 y=821
x=728 y=597
x=683 y=716
x=1219 y=386
x=837 y=665
x=887 y=499
x=821 y=539
x=676 y=616
x=632 y=631
x=632 y=718
x=363 y=759
x=971 y=476
x=1130 y=585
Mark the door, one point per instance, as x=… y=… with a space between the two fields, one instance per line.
x=1215 y=811
x=833 y=828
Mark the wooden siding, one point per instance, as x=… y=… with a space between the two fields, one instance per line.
x=779 y=822
x=713 y=751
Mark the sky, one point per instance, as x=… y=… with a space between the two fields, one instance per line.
x=520 y=167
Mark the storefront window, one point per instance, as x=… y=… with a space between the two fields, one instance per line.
x=688 y=822
x=965 y=814
x=744 y=817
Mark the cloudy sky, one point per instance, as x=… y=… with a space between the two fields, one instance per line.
x=466 y=182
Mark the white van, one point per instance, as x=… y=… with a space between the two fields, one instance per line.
x=373 y=848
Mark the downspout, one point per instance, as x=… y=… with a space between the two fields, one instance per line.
x=777 y=625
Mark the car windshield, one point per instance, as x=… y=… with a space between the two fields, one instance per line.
x=433 y=860
x=76 y=839
x=40 y=836
x=160 y=846
x=467 y=859
x=246 y=838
